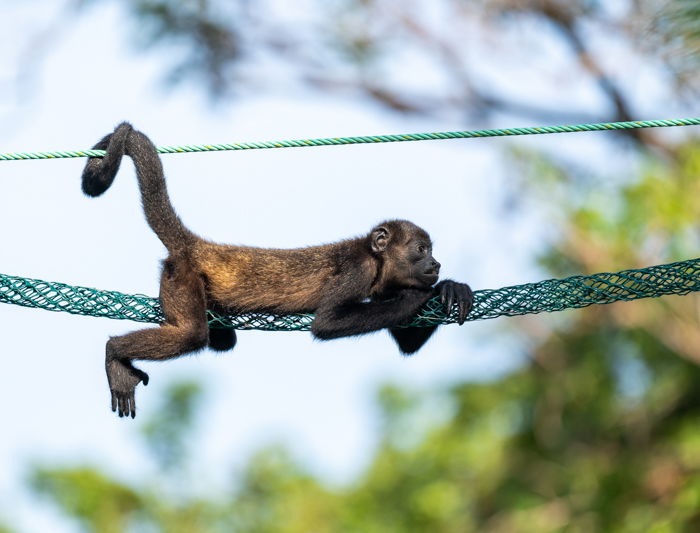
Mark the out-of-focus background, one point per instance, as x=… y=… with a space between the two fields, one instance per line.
x=584 y=420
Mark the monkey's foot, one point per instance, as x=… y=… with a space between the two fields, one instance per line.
x=123 y=378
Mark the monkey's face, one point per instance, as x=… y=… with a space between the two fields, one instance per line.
x=425 y=268
x=414 y=264
x=407 y=255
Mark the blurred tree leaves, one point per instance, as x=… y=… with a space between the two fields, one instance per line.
x=168 y=435
x=98 y=502
x=212 y=44
x=366 y=47
x=676 y=24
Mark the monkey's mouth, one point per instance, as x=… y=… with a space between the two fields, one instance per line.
x=430 y=278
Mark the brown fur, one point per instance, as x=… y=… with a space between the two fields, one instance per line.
x=244 y=279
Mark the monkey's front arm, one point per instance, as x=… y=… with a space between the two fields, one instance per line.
x=355 y=318
x=348 y=318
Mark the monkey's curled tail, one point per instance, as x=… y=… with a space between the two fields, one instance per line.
x=99 y=173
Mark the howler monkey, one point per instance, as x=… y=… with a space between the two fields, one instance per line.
x=353 y=286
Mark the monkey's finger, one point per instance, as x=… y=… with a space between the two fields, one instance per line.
x=114 y=402
x=122 y=405
x=132 y=401
x=465 y=307
x=450 y=297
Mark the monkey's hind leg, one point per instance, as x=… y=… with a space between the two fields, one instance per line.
x=184 y=330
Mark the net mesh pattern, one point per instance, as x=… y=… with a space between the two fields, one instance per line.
x=573 y=292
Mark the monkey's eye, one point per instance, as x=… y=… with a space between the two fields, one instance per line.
x=421 y=249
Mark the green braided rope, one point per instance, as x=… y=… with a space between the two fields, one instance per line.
x=372 y=139
x=548 y=295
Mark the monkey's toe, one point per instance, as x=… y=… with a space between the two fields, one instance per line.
x=124 y=404
x=123 y=379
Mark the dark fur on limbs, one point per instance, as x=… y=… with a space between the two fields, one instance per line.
x=355 y=286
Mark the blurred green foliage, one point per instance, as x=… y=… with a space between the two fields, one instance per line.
x=168 y=434
x=90 y=496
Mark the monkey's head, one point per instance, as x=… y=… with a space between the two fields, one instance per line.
x=405 y=252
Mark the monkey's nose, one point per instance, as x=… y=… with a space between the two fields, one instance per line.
x=436 y=266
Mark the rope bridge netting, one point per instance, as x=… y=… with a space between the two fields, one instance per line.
x=549 y=295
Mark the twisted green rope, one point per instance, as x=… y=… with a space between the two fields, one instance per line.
x=548 y=295
x=372 y=139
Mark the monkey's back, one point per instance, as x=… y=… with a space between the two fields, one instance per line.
x=242 y=278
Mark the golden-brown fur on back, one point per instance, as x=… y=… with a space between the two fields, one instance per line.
x=242 y=278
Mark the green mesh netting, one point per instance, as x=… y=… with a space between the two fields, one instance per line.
x=548 y=295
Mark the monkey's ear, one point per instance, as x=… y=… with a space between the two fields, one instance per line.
x=379 y=239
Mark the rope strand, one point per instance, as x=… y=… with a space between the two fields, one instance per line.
x=334 y=141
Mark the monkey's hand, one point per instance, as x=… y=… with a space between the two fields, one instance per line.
x=454 y=293
x=123 y=378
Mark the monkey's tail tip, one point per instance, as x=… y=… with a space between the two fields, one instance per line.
x=94 y=180
x=99 y=172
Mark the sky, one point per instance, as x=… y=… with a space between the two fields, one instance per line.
x=316 y=397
